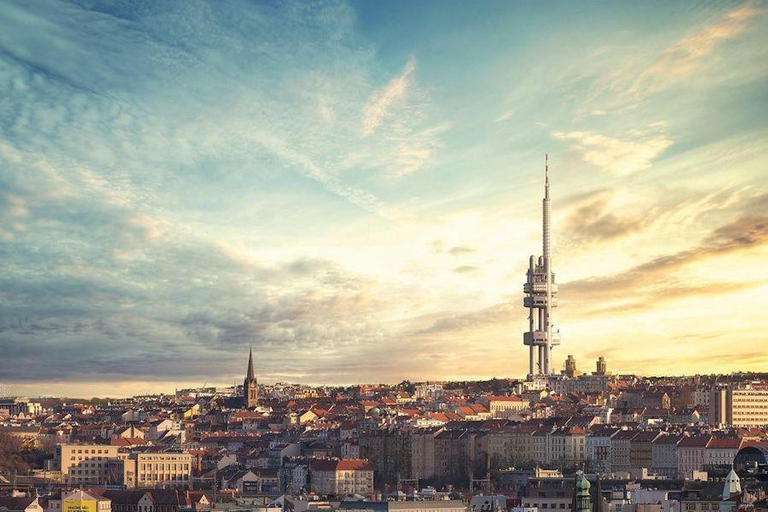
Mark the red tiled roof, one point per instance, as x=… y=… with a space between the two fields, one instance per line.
x=505 y=399
x=354 y=465
x=724 y=442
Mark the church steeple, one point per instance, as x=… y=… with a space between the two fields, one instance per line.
x=597 y=503
x=250 y=384
x=732 y=485
x=250 y=375
x=583 y=501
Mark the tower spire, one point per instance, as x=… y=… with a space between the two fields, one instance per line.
x=250 y=385
x=251 y=375
x=541 y=297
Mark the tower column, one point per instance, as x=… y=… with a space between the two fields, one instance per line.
x=541 y=296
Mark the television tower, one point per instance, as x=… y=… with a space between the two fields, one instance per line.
x=540 y=297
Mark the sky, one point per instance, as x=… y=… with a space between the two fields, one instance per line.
x=353 y=189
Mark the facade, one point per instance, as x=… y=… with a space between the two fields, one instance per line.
x=641 y=450
x=721 y=452
x=451 y=456
x=664 y=455
x=390 y=453
x=584 y=383
x=505 y=406
x=739 y=405
x=87 y=463
x=250 y=384
x=156 y=469
x=540 y=297
x=341 y=477
x=403 y=506
x=597 y=451
x=82 y=501
x=423 y=452
x=621 y=444
x=692 y=454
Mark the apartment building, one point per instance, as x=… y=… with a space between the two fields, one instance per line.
x=739 y=405
x=87 y=463
x=664 y=455
x=692 y=454
x=505 y=406
x=721 y=451
x=340 y=477
x=158 y=468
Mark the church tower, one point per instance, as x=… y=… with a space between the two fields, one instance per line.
x=250 y=385
x=582 y=501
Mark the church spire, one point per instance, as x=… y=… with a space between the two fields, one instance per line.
x=250 y=375
x=597 y=503
x=250 y=385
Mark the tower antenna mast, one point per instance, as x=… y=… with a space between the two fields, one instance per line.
x=541 y=297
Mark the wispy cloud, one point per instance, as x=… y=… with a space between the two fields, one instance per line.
x=595 y=217
x=691 y=53
x=664 y=278
x=381 y=102
x=619 y=156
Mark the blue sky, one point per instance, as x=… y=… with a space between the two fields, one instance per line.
x=354 y=189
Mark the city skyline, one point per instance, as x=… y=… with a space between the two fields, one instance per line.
x=354 y=190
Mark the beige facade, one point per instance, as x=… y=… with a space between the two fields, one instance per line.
x=341 y=477
x=87 y=463
x=505 y=406
x=172 y=469
x=739 y=405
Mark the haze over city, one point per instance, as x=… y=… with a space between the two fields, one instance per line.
x=353 y=189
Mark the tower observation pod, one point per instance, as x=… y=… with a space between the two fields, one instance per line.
x=540 y=297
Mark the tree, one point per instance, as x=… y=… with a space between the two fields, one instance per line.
x=11 y=454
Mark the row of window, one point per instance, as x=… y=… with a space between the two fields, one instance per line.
x=163 y=467
x=92 y=450
x=162 y=477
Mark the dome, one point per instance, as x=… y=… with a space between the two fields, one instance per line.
x=582 y=484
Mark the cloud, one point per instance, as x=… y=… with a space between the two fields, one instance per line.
x=395 y=113
x=460 y=249
x=354 y=195
x=382 y=101
x=661 y=279
x=618 y=157
x=593 y=218
x=691 y=53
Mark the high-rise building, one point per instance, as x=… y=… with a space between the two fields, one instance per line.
x=739 y=405
x=250 y=385
x=540 y=297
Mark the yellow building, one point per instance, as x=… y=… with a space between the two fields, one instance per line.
x=82 y=501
